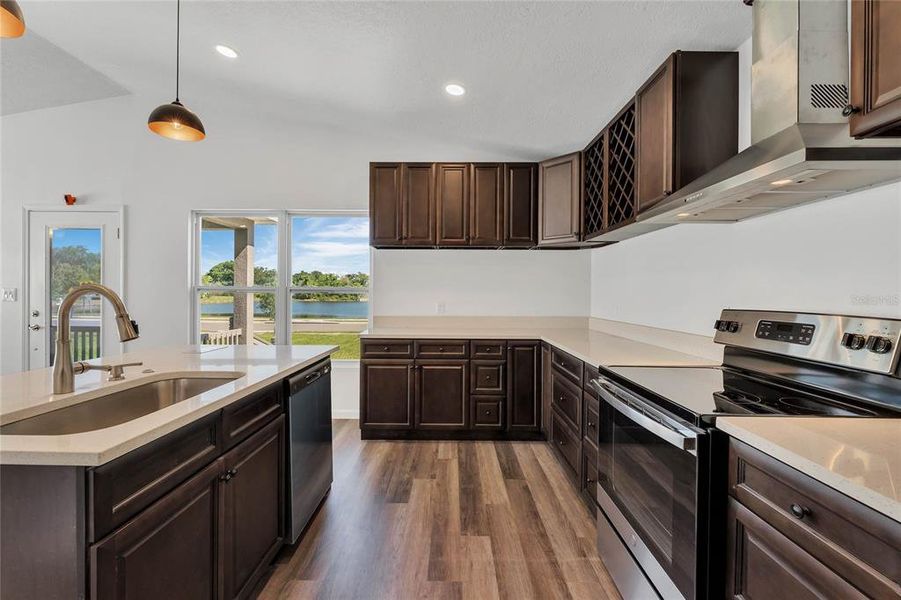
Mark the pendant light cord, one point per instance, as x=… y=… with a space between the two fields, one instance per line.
x=177 y=44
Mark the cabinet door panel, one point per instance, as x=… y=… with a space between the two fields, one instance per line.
x=486 y=209
x=523 y=386
x=559 y=203
x=521 y=205
x=385 y=204
x=419 y=204
x=167 y=551
x=762 y=564
x=453 y=204
x=442 y=394
x=654 y=109
x=386 y=394
x=876 y=68
x=252 y=509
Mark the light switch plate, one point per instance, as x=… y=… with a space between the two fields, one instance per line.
x=9 y=294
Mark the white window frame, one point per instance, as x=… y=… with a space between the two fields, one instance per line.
x=284 y=288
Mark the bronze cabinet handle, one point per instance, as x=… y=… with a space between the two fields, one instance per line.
x=385 y=349
x=800 y=511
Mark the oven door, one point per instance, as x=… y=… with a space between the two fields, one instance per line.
x=648 y=487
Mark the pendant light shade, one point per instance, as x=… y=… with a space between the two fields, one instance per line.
x=12 y=23
x=173 y=120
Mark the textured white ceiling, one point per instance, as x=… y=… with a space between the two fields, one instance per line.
x=540 y=77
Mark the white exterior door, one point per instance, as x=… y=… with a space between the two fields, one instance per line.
x=66 y=248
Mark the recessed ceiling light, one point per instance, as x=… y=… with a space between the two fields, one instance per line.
x=455 y=89
x=781 y=182
x=226 y=51
x=683 y=215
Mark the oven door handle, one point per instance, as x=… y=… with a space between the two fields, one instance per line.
x=648 y=417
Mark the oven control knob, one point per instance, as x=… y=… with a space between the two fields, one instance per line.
x=854 y=341
x=734 y=326
x=879 y=344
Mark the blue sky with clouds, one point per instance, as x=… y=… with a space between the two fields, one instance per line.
x=89 y=238
x=329 y=244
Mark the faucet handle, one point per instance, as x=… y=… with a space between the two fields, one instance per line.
x=117 y=372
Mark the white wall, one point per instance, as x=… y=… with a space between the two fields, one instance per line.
x=841 y=255
x=515 y=283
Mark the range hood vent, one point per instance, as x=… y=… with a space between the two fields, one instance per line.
x=801 y=149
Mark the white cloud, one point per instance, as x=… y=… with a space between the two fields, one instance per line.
x=333 y=249
x=358 y=228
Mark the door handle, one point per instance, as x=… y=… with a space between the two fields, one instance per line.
x=35 y=327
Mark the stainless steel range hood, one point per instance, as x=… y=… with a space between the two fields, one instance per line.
x=801 y=150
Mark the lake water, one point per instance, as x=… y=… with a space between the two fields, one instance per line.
x=303 y=310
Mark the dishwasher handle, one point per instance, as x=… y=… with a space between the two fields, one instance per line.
x=305 y=378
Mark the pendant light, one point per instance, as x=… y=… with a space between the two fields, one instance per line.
x=12 y=24
x=173 y=120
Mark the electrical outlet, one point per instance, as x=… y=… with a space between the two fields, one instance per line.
x=441 y=308
x=9 y=294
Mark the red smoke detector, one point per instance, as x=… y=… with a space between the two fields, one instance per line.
x=70 y=199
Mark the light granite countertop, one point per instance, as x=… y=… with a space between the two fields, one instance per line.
x=594 y=347
x=28 y=394
x=859 y=457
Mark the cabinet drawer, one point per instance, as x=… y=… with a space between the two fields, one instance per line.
x=566 y=443
x=589 y=472
x=488 y=377
x=590 y=417
x=441 y=348
x=858 y=543
x=490 y=349
x=241 y=419
x=567 y=398
x=487 y=412
x=589 y=372
x=127 y=485
x=568 y=365
x=386 y=348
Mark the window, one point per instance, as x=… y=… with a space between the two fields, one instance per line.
x=282 y=278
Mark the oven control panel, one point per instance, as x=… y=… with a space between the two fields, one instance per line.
x=865 y=343
x=782 y=331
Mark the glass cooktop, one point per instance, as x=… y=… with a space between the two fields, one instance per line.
x=711 y=391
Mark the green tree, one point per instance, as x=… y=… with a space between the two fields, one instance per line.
x=320 y=279
x=224 y=274
x=70 y=266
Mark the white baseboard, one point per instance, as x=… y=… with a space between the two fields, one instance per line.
x=345 y=414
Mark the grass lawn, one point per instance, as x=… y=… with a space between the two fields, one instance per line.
x=348 y=343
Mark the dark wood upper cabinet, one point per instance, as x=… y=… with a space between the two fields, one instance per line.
x=521 y=205
x=385 y=204
x=559 y=200
x=419 y=204
x=442 y=394
x=686 y=122
x=486 y=209
x=875 y=68
x=386 y=394
x=251 y=509
x=168 y=551
x=524 y=386
x=452 y=186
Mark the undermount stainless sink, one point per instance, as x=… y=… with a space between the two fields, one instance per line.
x=118 y=407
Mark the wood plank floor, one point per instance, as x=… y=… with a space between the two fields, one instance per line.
x=443 y=520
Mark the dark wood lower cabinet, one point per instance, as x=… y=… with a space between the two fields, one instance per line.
x=386 y=394
x=791 y=536
x=442 y=393
x=252 y=519
x=168 y=551
x=765 y=565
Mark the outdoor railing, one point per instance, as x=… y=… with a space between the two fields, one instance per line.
x=226 y=337
x=85 y=342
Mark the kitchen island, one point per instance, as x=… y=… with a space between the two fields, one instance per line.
x=186 y=500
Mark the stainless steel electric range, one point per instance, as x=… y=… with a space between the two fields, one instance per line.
x=661 y=461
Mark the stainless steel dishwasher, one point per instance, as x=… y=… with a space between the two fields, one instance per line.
x=309 y=465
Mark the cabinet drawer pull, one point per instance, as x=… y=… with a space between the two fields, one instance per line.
x=561 y=442
x=488 y=412
x=385 y=349
x=562 y=397
x=487 y=377
x=849 y=110
x=800 y=511
x=591 y=424
x=440 y=349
